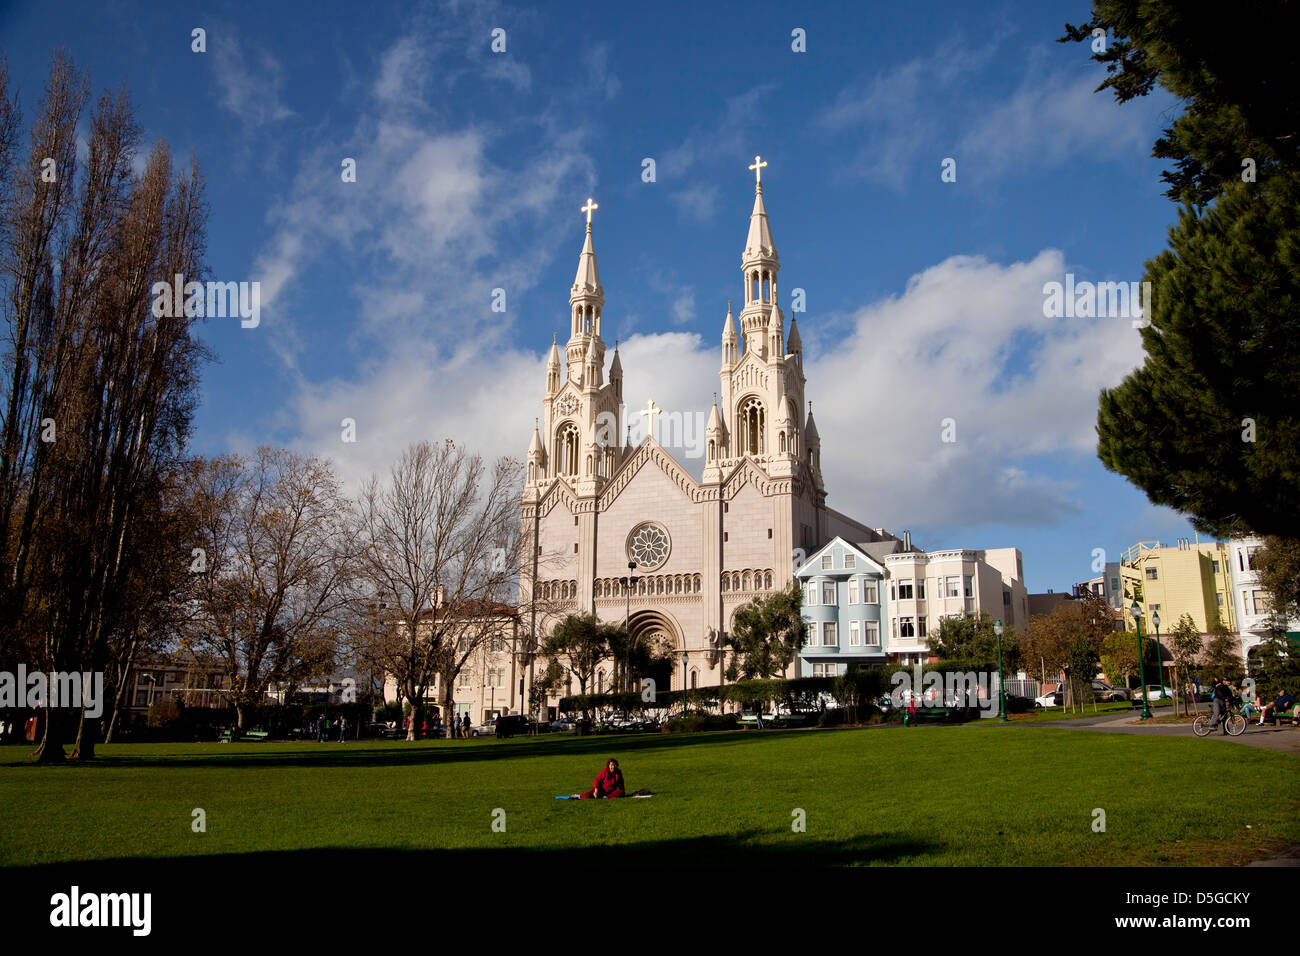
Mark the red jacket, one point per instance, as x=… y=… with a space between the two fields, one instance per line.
x=607 y=782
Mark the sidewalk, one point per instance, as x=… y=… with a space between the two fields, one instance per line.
x=1270 y=737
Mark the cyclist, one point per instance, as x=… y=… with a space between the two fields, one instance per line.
x=1222 y=704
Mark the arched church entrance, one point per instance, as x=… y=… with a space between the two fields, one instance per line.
x=657 y=642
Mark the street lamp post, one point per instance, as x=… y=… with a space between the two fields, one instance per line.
x=685 y=678
x=1160 y=654
x=1136 y=610
x=1002 y=697
x=629 y=582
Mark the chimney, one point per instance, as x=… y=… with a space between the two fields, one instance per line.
x=907 y=541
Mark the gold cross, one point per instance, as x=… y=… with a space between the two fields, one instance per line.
x=588 y=209
x=758 y=169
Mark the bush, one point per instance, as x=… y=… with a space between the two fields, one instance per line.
x=831 y=717
x=695 y=722
x=165 y=713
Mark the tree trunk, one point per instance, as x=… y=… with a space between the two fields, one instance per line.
x=87 y=732
x=240 y=714
x=50 y=749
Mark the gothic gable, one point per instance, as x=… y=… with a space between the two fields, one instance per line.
x=650 y=452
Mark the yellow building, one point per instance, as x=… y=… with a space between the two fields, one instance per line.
x=1190 y=577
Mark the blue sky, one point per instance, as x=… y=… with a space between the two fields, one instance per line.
x=924 y=298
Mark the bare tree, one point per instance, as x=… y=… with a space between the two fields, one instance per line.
x=440 y=553
x=279 y=539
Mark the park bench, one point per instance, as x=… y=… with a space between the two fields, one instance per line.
x=930 y=714
x=1292 y=718
x=252 y=735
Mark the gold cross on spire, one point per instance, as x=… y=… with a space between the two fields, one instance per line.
x=591 y=205
x=757 y=167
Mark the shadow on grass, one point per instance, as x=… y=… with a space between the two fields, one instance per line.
x=738 y=849
x=418 y=753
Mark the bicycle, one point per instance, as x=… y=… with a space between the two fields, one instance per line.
x=1233 y=723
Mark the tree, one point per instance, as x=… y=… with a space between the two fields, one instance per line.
x=1185 y=643
x=579 y=644
x=279 y=541
x=1208 y=424
x=439 y=550
x=1223 y=654
x=1275 y=665
x=1071 y=639
x=971 y=640
x=768 y=634
x=1233 y=105
x=96 y=391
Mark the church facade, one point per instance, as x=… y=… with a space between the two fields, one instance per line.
x=598 y=512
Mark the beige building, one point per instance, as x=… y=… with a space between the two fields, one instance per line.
x=594 y=503
x=1186 y=578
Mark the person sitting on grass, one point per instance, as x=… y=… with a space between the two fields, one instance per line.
x=608 y=783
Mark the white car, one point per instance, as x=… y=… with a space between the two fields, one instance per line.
x=1154 y=692
x=1054 y=699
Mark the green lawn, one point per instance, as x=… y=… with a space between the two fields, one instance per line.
x=938 y=796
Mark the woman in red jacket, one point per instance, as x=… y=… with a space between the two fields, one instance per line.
x=608 y=784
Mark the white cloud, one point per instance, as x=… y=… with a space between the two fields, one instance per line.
x=251 y=83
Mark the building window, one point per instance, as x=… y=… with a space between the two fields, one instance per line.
x=906 y=628
x=812 y=594
x=850 y=560
x=828 y=562
x=920 y=589
x=853 y=592
x=828 y=592
x=830 y=635
x=1151 y=574
x=951 y=587
x=1215 y=565
x=1006 y=599
x=873 y=634
x=1219 y=596
x=905 y=590
x=920 y=627
x=869 y=593
x=1114 y=584
x=855 y=634
x=752 y=428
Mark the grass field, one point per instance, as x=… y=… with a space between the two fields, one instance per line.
x=937 y=796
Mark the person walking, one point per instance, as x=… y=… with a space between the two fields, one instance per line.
x=320 y=729
x=343 y=729
x=464 y=725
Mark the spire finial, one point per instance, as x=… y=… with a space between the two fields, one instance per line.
x=728 y=307
x=757 y=167
x=588 y=209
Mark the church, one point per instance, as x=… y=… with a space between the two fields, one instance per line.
x=627 y=531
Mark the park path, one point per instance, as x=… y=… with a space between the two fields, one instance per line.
x=1270 y=737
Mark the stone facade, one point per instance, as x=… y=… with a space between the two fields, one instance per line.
x=593 y=503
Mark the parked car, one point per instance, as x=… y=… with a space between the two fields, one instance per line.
x=510 y=725
x=1054 y=699
x=1103 y=691
x=1154 y=692
x=564 y=724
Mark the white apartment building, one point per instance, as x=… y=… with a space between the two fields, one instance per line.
x=926 y=587
x=1249 y=599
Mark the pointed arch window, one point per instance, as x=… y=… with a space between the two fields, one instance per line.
x=753 y=427
x=566 y=448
